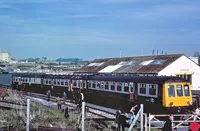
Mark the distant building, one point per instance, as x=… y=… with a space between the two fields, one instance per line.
x=160 y=65
x=4 y=56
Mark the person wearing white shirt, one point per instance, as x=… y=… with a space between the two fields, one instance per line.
x=197 y=113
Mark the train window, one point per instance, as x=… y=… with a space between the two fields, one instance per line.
x=102 y=85
x=142 y=88
x=94 y=84
x=90 y=84
x=171 y=91
x=179 y=90
x=152 y=89
x=29 y=79
x=186 y=90
x=119 y=86
x=66 y=83
x=58 y=82
x=106 y=85
x=46 y=81
x=131 y=85
x=26 y=80
x=62 y=83
x=126 y=87
x=98 y=84
x=54 y=82
x=112 y=86
x=74 y=82
x=80 y=83
x=50 y=82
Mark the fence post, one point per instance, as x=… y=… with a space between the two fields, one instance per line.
x=27 y=114
x=145 y=124
x=83 y=112
x=141 y=117
x=149 y=122
x=172 y=121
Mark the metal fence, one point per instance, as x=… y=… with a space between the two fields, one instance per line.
x=178 y=121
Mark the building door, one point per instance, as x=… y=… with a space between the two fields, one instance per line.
x=131 y=91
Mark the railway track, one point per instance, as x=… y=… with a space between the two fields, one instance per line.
x=105 y=113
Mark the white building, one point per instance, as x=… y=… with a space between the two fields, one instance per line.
x=4 y=56
x=186 y=68
x=161 y=65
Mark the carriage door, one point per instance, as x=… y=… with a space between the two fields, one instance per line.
x=131 y=91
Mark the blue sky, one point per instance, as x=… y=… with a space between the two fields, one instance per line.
x=92 y=29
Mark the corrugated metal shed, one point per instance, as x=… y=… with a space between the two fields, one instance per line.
x=130 y=65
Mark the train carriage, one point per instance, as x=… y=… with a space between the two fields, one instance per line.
x=159 y=94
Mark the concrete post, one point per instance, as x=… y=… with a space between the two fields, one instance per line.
x=83 y=113
x=28 y=114
x=149 y=122
x=141 y=117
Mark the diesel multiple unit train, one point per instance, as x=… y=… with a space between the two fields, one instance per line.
x=159 y=94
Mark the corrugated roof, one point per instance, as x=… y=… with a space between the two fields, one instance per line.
x=138 y=64
x=110 y=69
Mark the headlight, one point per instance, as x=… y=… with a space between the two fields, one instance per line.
x=190 y=102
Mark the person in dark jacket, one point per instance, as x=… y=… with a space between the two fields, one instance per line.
x=117 y=114
x=122 y=120
x=168 y=124
x=48 y=95
x=66 y=112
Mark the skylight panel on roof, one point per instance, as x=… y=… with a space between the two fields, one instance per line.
x=146 y=62
x=96 y=64
x=99 y=64
x=91 y=64
x=123 y=63
x=131 y=63
x=110 y=69
x=157 y=62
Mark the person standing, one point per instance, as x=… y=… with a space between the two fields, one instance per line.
x=58 y=99
x=117 y=114
x=64 y=96
x=48 y=95
x=66 y=112
x=168 y=124
x=132 y=117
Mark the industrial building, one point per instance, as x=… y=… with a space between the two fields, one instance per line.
x=161 y=65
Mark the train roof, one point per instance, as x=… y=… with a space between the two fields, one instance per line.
x=118 y=78
x=140 y=79
x=28 y=74
x=51 y=76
